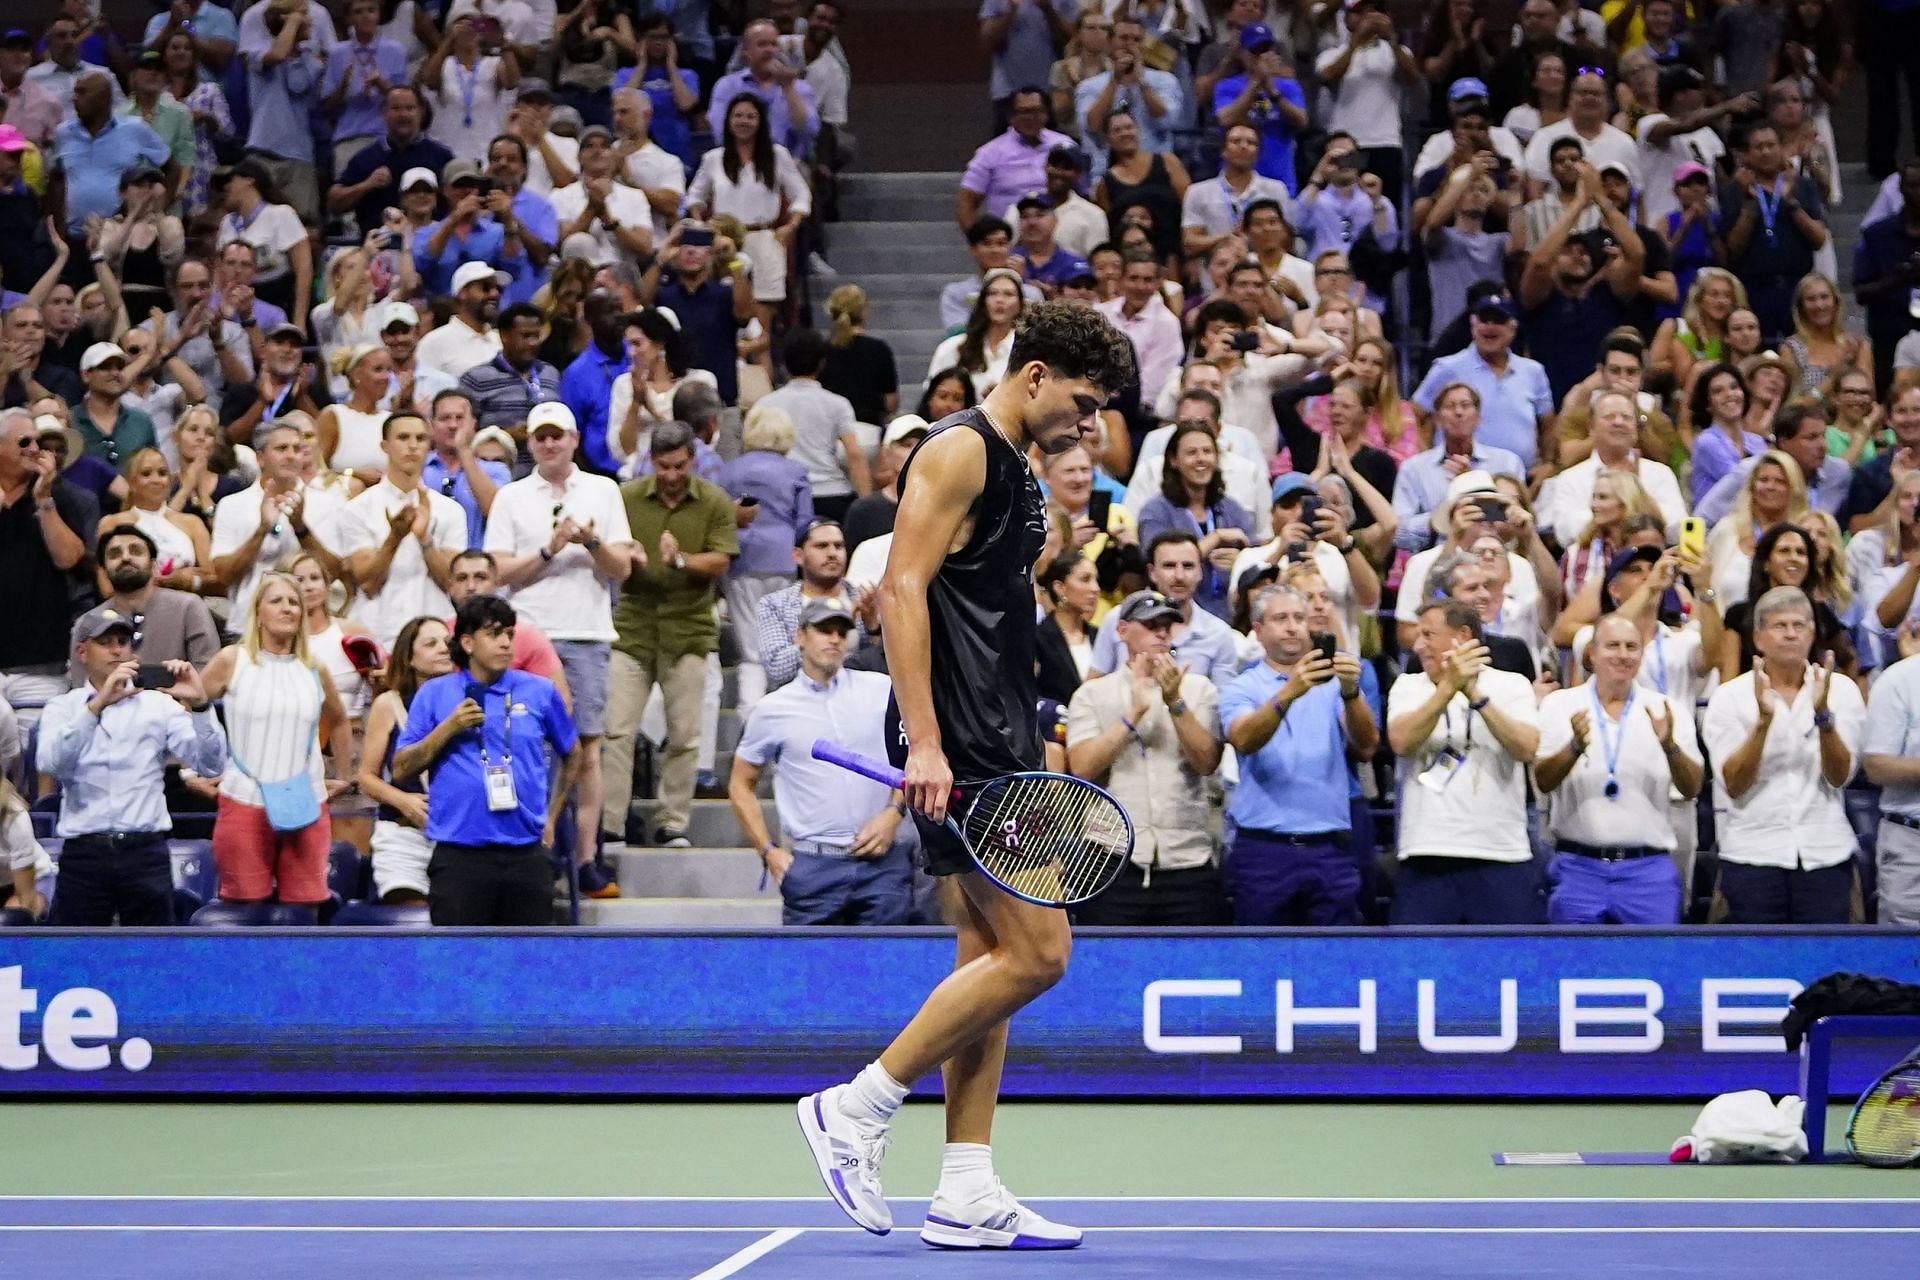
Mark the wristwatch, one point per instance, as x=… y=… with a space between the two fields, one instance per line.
x=1178 y=707
x=680 y=561
x=247 y=321
x=592 y=545
x=1348 y=549
x=1706 y=597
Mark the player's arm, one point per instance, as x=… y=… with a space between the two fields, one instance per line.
x=947 y=476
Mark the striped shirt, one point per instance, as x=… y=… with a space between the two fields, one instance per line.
x=502 y=395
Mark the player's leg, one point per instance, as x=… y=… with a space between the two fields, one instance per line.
x=971 y=1209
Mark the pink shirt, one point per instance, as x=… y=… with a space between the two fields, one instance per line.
x=33 y=111
x=1316 y=416
x=1155 y=333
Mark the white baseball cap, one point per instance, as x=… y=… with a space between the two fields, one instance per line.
x=392 y=312
x=475 y=272
x=418 y=174
x=551 y=413
x=98 y=354
x=499 y=434
x=903 y=426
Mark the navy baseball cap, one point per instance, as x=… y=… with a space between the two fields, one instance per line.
x=1466 y=87
x=1256 y=36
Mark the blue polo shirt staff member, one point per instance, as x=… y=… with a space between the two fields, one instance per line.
x=845 y=856
x=481 y=735
x=1294 y=720
x=107 y=743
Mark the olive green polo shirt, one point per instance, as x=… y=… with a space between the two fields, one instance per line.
x=665 y=613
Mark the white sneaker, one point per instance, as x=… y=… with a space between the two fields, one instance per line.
x=819 y=266
x=847 y=1153
x=993 y=1221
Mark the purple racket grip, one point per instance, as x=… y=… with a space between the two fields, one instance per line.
x=866 y=766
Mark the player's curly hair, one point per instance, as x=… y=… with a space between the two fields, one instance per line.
x=1079 y=342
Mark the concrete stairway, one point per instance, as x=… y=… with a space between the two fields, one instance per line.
x=714 y=883
x=897 y=240
x=1857 y=191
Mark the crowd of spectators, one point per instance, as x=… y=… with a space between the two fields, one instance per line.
x=404 y=417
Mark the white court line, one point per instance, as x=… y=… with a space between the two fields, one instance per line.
x=749 y=1255
x=790 y=1232
x=422 y=1199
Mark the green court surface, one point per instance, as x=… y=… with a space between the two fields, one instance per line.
x=588 y=1149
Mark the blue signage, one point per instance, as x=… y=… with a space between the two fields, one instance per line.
x=1208 y=1013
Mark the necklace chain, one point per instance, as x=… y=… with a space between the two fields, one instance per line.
x=997 y=430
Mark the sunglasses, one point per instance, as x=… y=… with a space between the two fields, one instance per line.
x=1591 y=71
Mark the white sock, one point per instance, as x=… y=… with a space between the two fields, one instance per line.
x=873 y=1095
x=966 y=1171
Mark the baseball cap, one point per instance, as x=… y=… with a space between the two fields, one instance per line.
x=138 y=174
x=1291 y=482
x=477 y=273
x=907 y=424
x=99 y=620
x=1081 y=277
x=417 y=175
x=288 y=333
x=149 y=60
x=1033 y=200
x=551 y=413
x=596 y=131
x=533 y=87
x=11 y=139
x=1253 y=575
x=459 y=171
x=830 y=609
x=1256 y=35
x=1619 y=167
x=1067 y=154
x=393 y=312
x=100 y=353
x=1629 y=555
x=1148 y=607
x=1466 y=87
x=14 y=35
x=1688 y=171
x=1494 y=306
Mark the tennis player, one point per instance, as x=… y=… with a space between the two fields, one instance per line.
x=957 y=613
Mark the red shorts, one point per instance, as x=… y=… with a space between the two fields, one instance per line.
x=251 y=856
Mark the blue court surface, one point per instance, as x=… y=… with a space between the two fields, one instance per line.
x=801 y=1239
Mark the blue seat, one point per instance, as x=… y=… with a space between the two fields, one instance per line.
x=194 y=874
x=412 y=915
x=15 y=918
x=250 y=915
x=343 y=870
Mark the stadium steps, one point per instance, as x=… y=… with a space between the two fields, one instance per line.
x=681 y=913
x=896 y=238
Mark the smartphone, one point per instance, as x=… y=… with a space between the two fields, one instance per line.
x=153 y=675
x=1099 y=507
x=485 y=188
x=1494 y=509
x=1247 y=340
x=1693 y=537
x=696 y=236
x=1324 y=645
x=748 y=500
x=1298 y=550
x=1310 y=511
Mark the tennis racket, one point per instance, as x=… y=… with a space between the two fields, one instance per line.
x=1884 y=1130
x=1045 y=838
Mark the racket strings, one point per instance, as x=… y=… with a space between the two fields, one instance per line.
x=1885 y=1129
x=1053 y=839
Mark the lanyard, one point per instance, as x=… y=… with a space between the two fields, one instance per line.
x=240 y=224
x=468 y=82
x=1769 y=202
x=1610 y=746
x=506 y=729
x=1659 y=662
x=1446 y=717
x=532 y=379
x=273 y=410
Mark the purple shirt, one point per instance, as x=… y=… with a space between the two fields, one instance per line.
x=795 y=135
x=1007 y=168
x=786 y=504
x=1713 y=457
x=361 y=114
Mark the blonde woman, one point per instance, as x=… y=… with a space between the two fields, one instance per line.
x=1617 y=499
x=1819 y=347
x=279 y=706
x=1698 y=334
x=1390 y=425
x=198 y=486
x=1884 y=564
x=328 y=633
x=181 y=540
x=349 y=433
x=32 y=871
x=342 y=322
x=859 y=366
x=772 y=503
x=1775 y=492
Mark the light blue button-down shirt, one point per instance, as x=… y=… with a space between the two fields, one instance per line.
x=1156 y=132
x=283 y=97
x=1297 y=782
x=110 y=767
x=93 y=163
x=1421 y=486
x=817 y=801
x=1893 y=729
x=1511 y=404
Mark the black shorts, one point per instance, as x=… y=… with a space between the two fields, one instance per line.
x=941 y=852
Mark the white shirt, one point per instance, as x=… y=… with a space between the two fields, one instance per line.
x=817 y=801
x=1519 y=604
x=1332 y=567
x=820 y=419
x=273 y=231
x=539 y=177
x=1657 y=163
x=1789 y=818
x=746 y=197
x=1247 y=394
x=627 y=205
x=1670 y=665
x=410 y=591
x=1439 y=146
x=1579 y=809
x=1166 y=799
x=454 y=348
x=1215 y=208
x=1611 y=145
x=656 y=407
x=947 y=355
x=21 y=849
x=1366 y=102
x=652 y=167
x=469 y=107
x=1893 y=729
x=238 y=515
x=1571 y=509
x=566 y=597
x=828 y=78
x=1479 y=810
x=109 y=768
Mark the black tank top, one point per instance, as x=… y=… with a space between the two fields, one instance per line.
x=981 y=623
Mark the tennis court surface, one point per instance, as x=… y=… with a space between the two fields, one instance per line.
x=688 y=1190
